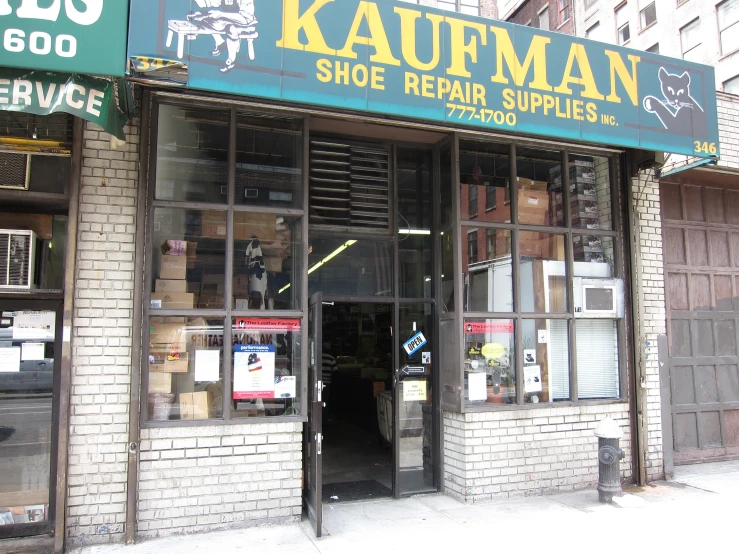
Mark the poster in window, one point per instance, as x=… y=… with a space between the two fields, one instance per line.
x=532 y=378
x=34 y=325
x=254 y=371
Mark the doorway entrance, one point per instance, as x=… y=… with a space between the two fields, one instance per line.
x=373 y=427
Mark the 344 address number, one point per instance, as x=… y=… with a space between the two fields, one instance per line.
x=705 y=147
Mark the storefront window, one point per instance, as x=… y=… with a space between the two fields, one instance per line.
x=543 y=279
x=189 y=259
x=537 y=188
x=268 y=161
x=489 y=279
x=267 y=262
x=265 y=367
x=192 y=154
x=484 y=172
x=226 y=245
x=350 y=267
x=490 y=361
x=185 y=365
x=549 y=284
x=546 y=360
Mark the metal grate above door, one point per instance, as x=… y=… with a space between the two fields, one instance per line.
x=349 y=185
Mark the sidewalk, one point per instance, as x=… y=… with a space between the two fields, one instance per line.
x=695 y=512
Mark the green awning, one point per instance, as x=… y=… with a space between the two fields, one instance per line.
x=43 y=93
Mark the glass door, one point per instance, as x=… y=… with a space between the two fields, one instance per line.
x=414 y=422
x=313 y=433
x=29 y=361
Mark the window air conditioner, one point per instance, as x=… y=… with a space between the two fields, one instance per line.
x=18 y=263
x=596 y=298
x=15 y=170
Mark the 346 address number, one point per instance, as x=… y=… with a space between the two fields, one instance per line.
x=705 y=147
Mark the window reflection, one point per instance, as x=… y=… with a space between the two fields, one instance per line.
x=543 y=273
x=350 y=267
x=486 y=264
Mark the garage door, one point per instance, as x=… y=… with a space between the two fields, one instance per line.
x=700 y=226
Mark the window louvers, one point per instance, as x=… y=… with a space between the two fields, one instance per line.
x=349 y=185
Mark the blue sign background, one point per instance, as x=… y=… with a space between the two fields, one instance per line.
x=673 y=107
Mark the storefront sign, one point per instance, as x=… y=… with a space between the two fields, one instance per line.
x=394 y=58
x=82 y=36
x=34 y=325
x=44 y=93
x=487 y=327
x=413 y=344
x=264 y=325
x=254 y=371
x=414 y=391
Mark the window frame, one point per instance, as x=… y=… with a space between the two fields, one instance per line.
x=563 y=7
x=152 y=101
x=734 y=78
x=642 y=17
x=692 y=22
x=544 y=9
x=720 y=31
x=618 y=202
x=626 y=25
x=458 y=5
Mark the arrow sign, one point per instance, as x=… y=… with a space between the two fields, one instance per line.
x=408 y=370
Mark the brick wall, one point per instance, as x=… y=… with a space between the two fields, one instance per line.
x=207 y=478
x=528 y=13
x=507 y=454
x=101 y=339
x=728 y=129
x=649 y=251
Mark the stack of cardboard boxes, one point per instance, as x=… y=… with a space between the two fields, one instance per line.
x=534 y=209
x=583 y=194
x=170 y=290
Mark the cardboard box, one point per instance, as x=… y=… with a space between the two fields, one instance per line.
x=211 y=301
x=196 y=405
x=273 y=264
x=533 y=207
x=173 y=300
x=173 y=267
x=163 y=361
x=262 y=226
x=528 y=184
x=170 y=337
x=170 y=285
x=160 y=382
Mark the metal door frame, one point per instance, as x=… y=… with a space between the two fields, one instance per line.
x=313 y=428
x=17 y=304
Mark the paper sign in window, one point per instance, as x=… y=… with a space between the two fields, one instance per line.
x=32 y=351
x=414 y=391
x=10 y=360
x=207 y=365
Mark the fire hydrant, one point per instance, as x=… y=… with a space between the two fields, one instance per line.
x=609 y=457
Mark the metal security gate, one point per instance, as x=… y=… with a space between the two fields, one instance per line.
x=700 y=226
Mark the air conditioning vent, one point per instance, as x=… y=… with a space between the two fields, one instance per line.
x=15 y=170
x=349 y=185
x=18 y=259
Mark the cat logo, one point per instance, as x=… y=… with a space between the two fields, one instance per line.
x=679 y=112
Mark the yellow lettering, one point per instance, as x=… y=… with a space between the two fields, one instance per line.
x=342 y=71
x=577 y=109
x=523 y=100
x=548 y=103
x=377 y=39
x=378 y=78
x=460 y=49
x=444 y=87
x=536 y=55
x=509 y=99
x=536 y=101
x=360 y=81
x=427 y=89
x=408 y=35
x=627 y=80
x=590 y=89
x=478 y=94
x=293 y=23
x=592 y=112
x=411 y=83
x=457 y=94
x=324 y=70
